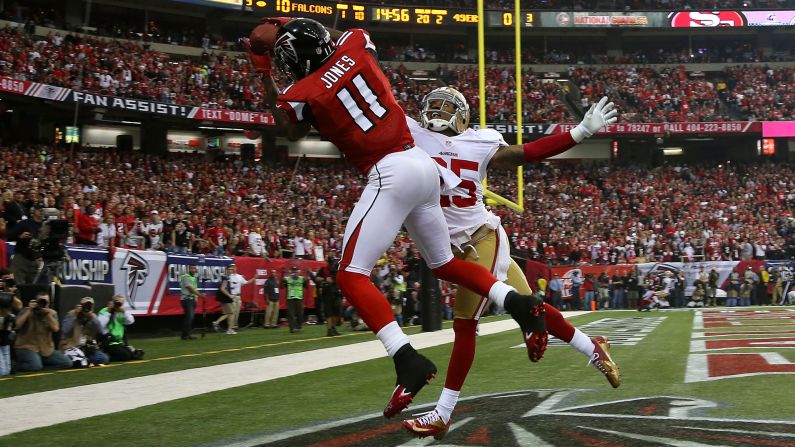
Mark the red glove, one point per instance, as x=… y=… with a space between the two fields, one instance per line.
x=278 y=21
x=261 y=62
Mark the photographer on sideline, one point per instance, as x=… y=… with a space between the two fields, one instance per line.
x=34 y=347
x=113 y=319
x=80 y=331
x=9 y=304
x=24 y=263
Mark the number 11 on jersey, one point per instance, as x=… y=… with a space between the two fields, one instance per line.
x=351 y=105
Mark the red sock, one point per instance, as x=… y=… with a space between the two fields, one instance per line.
x=463 y=353
x=557 y=325
x=371 y=304
x=473 y=276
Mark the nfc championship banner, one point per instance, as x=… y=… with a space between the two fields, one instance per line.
x=84 y=265
x=208 y=278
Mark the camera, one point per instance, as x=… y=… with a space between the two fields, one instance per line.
x=51 y=243
x=87 y=306
x=42 y=302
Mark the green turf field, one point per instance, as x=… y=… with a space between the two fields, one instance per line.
x=655 y=369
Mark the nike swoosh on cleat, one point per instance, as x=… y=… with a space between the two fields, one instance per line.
x=594 y=357
x=404 y=393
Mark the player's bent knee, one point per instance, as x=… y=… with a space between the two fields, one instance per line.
x=345 y=279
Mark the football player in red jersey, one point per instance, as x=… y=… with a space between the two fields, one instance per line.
x=339 y=88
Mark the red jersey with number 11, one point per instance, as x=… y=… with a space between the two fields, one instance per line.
x=350 y=102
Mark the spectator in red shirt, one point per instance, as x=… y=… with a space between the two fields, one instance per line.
x=87 y=227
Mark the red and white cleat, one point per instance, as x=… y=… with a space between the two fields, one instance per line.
x=430 y=424
x=529 y=312
x=536 y=343
x=414 y=371
x=602 y=361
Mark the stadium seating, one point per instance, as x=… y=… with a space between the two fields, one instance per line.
x=596 y=213
x=226 y=80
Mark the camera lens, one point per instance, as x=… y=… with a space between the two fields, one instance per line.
x=42 y=302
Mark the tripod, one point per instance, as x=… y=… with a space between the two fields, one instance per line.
x=48 y=272
x=204 y=329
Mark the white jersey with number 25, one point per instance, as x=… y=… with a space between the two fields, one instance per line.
x=467 y=155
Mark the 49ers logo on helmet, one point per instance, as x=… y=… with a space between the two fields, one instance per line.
x=702 y=19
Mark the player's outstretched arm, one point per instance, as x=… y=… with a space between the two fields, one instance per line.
x=263 y=65
x=295 y=131
x=597 y=117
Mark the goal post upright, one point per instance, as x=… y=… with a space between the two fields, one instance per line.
x=495 y=198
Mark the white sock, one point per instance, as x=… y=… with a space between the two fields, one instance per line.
x=582 y=343
x=498 y=292
x=392 y=337
x=446 y=403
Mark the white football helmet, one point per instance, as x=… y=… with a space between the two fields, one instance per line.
x=445 y=108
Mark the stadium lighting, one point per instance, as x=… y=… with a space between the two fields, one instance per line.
x=673 y=151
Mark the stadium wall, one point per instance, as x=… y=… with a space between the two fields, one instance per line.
x=105 y=136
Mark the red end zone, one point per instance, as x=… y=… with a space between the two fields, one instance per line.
x=704 y=364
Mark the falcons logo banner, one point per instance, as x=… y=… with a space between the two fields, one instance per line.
x=140 y=277
x=137 y=269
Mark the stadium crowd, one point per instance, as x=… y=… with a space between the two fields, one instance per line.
x=761 y=93
x=227 y=80
x=701 y=53
x=118 y=68
x=579 y=213
x=648 y=95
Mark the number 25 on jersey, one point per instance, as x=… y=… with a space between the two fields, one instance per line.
x=457 y=165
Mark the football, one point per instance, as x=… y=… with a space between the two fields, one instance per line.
x=263 y=37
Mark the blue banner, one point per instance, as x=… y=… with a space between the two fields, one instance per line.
x=87 y=265
x=210 y=271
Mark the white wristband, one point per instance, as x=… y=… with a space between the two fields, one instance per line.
x=579 y=133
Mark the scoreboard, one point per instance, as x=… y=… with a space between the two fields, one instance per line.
x=437 y=17
x=428 y=16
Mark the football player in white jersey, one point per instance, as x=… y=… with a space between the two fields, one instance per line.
x=477 y=235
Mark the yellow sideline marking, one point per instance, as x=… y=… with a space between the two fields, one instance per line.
x=132 y=362
x=37 y=375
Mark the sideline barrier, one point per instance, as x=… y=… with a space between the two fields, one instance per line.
x=149 y=280
x=690 y=269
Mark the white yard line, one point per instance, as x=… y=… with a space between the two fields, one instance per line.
x=69 y=404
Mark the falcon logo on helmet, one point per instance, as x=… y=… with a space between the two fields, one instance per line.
x=445 y=108
x=302 y=46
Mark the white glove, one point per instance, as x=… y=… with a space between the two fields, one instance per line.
x=597 y=117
